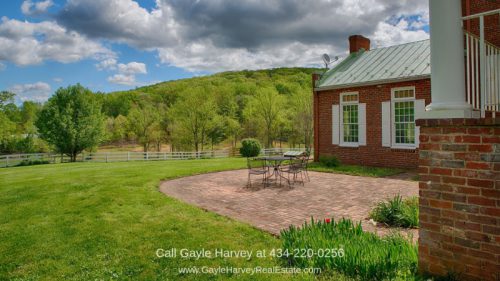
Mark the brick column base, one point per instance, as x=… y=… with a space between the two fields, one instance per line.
x=459 y=189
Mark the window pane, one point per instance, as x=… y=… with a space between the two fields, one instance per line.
x=404 y=121
x=350 y=126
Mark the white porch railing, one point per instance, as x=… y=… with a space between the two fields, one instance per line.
x=482 y=69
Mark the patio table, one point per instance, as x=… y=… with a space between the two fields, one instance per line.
x=276 y=163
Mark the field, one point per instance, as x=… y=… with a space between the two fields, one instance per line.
x=87 y=221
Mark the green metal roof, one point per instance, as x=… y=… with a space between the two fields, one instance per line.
x=396 y=63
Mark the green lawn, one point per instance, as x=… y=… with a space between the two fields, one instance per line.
x=86 y=221
x=354 y=170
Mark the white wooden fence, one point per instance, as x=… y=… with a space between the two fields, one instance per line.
x=16 y=159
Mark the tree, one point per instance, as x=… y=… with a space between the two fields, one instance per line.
x=302 y=115
x=194 y=114
x=217 y=131
x=71 y=121
x=144 y=123
x=28 y=115
x=6 y=98
x=7 y=131
x=116 y=128
x=266 y=107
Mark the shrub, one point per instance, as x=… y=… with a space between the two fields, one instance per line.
x=250 y=148
x=397 y=212
x=360 y=254
x=32 y=162
x=329 y=161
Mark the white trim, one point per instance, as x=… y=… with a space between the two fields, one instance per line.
x=341 y=114
x=371 y=83
x=393 y=91
x=395 y=145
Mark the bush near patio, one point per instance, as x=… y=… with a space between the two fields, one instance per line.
x=353 y=170
x=329 y=161
x=250 y=148
x=365 y=255
x=397 y=211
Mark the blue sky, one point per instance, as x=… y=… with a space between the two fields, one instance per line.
x=122 y=44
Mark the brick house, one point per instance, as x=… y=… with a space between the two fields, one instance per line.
x=366 y=106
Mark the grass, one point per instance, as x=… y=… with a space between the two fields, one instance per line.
x=342 y=246
x=88 y=221
x=397 y=211
x=354 y=170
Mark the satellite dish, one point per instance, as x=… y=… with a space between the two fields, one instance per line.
x=327 y=60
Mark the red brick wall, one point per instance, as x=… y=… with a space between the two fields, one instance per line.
x=459 y=170
x=373 y=154
x=492 y=25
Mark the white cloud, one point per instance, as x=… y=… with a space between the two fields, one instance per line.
x=29 y=8
x=227 y=35
x=132 y=68
x=208 y=35
x=58 y=79
x=388 y=34
x=39 y=91
x=126 y=73
x=122 y=21
x=206 y=57
x=27 y=43
x=109 y=63
x=122 y=79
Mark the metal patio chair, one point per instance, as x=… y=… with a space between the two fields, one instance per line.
x=294 y=169
x=305 y=164
x=257 y=167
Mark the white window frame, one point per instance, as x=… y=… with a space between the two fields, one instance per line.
x=341 y=117
x=393 y=115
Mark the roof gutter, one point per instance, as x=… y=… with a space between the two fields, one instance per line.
x=371 y=83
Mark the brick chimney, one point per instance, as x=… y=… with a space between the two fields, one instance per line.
x=357 y=42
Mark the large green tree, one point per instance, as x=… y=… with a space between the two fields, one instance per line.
x=195 y=114
x=72 y=121
x=266 y=108
x=302 y=115
x=144 y=123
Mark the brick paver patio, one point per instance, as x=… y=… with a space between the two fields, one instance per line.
x=274 y=208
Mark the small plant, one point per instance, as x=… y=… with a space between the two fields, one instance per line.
x=397 y=212
x=32 y=162
x=329 y=161
x=344 y=247
x=250 y=148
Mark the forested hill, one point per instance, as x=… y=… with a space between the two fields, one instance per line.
x=277 y=76
x=238 y=83
x=274 y=105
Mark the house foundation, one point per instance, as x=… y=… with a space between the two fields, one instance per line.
x=459 y=168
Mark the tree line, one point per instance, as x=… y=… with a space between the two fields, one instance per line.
x=193 y=114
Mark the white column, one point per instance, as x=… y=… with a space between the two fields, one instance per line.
x=447 y=61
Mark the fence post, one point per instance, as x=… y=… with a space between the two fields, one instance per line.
x=164 y=156
x=7 y=161
x=128 y=156
x=147 y=155
x=107 y=157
